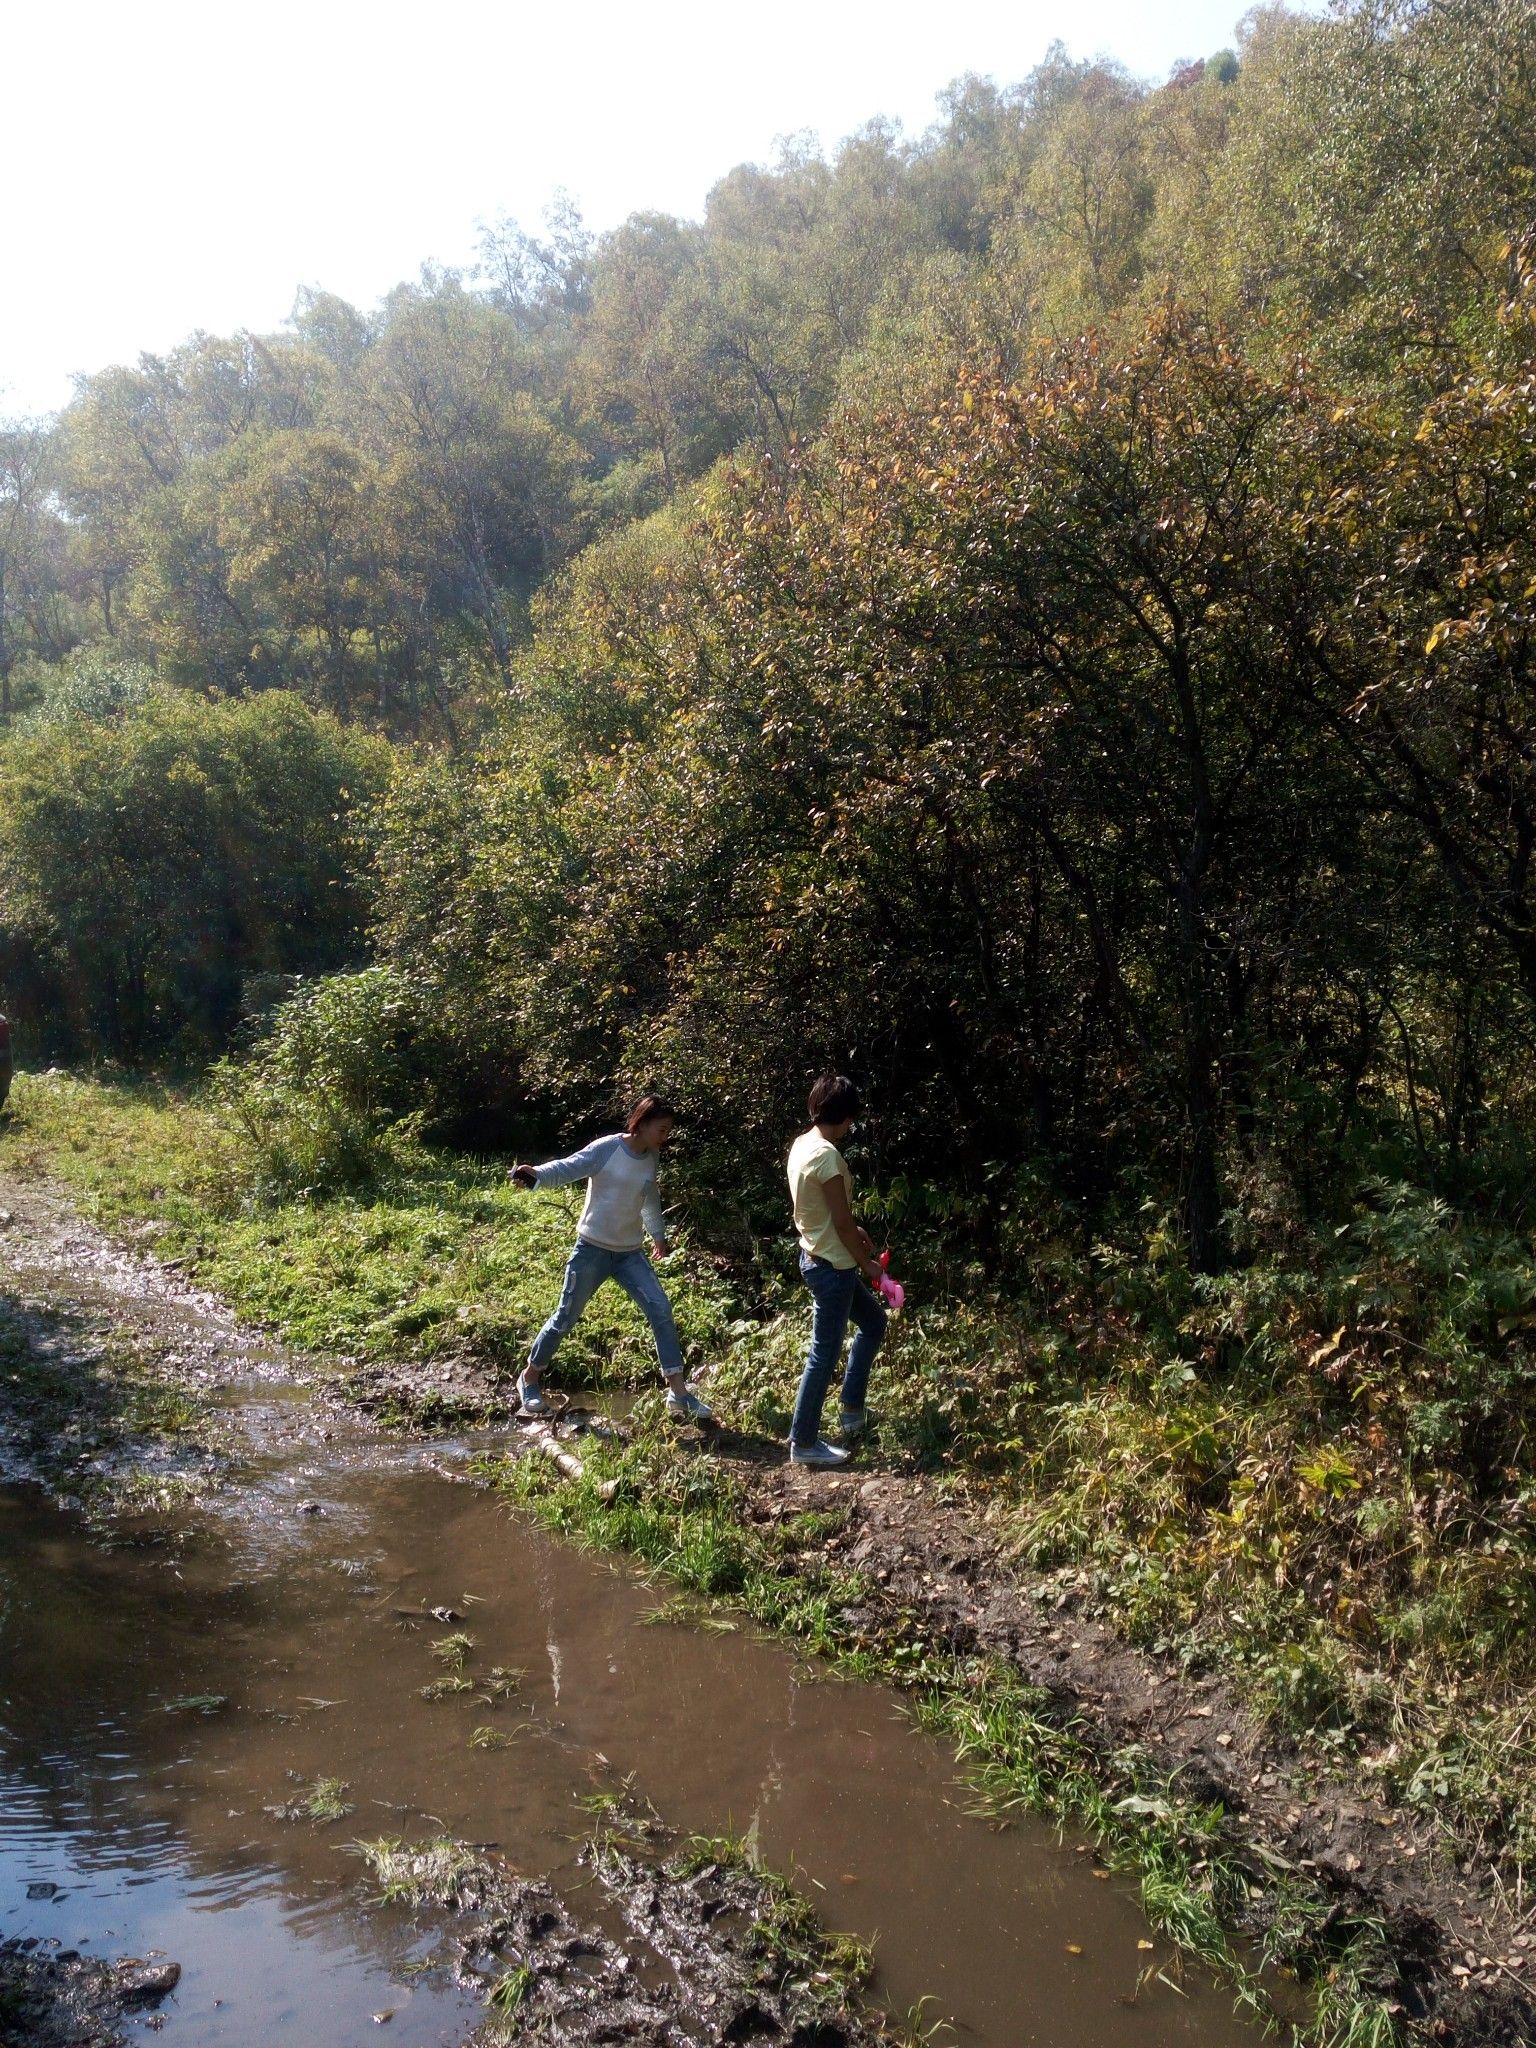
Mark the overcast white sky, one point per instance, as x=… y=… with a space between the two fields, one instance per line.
x=175 y=164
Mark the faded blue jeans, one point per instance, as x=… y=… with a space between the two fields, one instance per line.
x=839 y=1296
x=587 y=1268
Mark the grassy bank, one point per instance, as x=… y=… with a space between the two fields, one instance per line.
x=1308 y=1476
x=1311 y=1475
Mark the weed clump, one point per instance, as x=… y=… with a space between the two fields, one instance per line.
x=447 y=1688
x=323 y=1802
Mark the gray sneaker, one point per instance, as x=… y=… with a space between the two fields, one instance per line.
x=687 y=1407
x=852 y=1422
x=530 y=1400
x=818 y=1453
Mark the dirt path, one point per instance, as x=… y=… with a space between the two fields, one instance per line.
x=1463 y=1960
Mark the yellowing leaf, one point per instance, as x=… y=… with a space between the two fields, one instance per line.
x=1327 y=1348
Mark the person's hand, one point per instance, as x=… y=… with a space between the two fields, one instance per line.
x=660 y=1248
x=523 y=1175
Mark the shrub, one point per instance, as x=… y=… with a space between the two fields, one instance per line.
x=332 y=1095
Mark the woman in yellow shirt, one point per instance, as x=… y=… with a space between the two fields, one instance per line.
x=837 y=1259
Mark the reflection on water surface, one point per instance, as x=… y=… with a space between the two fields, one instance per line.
x=149 y=1806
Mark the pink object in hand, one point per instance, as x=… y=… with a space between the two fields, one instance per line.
x=893 y=1292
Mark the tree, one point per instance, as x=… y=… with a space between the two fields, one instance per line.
x=298 y=517
x=1429 y=676
x=157 y=851
x=32 y=568
x=1087 y=199
x=478 y=482
x=1379 y=159
x=633 y=368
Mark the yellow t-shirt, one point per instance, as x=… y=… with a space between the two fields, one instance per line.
x=813 y=1161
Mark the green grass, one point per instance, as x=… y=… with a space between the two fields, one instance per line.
x=494 y=1738
x=442 y=1873
x=509 y=1990
x=444 y=1261
x=499 y=1684
x=451 y=1687
x=322 y=1803
x=326 y=1801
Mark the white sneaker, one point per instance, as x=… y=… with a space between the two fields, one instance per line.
x=530 y=1400
x=852 y=1422
x=687 y=1407
x=818 y=1453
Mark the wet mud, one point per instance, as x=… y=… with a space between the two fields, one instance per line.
x=709 y=1953
x=61 y=1999
x=337 y=1648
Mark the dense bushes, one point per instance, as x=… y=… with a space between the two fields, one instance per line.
x=343 y=1078
x=1121 y=767
x=157 y=851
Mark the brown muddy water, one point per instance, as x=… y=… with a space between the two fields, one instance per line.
x=135 y=1820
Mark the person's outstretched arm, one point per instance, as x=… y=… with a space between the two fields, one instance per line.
x=559 y=1173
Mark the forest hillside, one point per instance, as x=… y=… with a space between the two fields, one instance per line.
x=1039 y=616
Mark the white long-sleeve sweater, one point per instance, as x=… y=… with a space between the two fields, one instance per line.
x=622 y=1194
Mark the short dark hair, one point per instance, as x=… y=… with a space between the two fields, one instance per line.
x=834 y=1098
x=647 y=1111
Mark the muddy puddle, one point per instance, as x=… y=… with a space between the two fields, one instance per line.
x=172 y=1710
x=161 y=1709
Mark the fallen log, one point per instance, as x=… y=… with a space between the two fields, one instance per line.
x=545 y=1440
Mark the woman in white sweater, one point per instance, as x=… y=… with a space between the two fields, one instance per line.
x=622 y=1199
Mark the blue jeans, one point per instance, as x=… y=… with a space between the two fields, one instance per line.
x=587 y=1268
x=838 y=1296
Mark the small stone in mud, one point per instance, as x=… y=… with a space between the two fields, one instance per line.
x=142 y=1983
